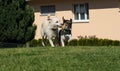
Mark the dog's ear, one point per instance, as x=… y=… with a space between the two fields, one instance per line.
x=63 y=18
x=48 y=16
x=70 y=20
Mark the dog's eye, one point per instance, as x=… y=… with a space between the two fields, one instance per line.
x=56 y=21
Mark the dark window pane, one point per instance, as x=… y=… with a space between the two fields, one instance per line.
x=82 y=8
x=47 y=9
x=76 y=16
x=87 y=10
x=76 y=8
x=82 y=16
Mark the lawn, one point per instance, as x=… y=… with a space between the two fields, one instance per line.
x=80 y=58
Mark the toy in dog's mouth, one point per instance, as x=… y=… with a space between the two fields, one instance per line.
x=64 y=26
x=54 y=28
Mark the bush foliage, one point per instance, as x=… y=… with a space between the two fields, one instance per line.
x=16 y=21
x=82 y=42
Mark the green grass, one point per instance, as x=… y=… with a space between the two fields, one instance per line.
x=80 y=58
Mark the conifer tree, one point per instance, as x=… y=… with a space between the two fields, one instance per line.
x=16 y=21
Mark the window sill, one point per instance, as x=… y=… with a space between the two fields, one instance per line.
x=46 y=14
x=81 y=21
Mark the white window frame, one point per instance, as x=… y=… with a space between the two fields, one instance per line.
x=51 y=13
x=79 y=14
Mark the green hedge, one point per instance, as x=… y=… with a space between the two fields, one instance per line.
x=97 y=42
x=34 y=43
x=73 y=42
x=81 y=42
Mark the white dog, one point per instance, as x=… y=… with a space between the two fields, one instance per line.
x=49 y=29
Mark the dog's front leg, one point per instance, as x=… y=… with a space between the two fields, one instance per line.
x=43 y=41
x=62 y=42
x=51 y=43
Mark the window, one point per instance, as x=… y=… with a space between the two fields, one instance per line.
x=47 y=10
x=81 y=12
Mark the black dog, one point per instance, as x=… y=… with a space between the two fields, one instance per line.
x=65 y=33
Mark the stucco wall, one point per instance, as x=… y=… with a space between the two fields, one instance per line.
x=104 y=19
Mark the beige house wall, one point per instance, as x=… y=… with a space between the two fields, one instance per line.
x=104 y=21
